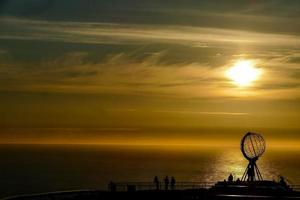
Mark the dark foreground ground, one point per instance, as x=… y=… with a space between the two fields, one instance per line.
x=152 y=194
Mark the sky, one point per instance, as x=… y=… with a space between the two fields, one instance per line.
x=137 y=71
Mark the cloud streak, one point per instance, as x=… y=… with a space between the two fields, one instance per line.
x=124 y=74
x=112 y=33
x=202 y=113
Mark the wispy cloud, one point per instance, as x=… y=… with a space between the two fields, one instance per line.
x=111 y=33
x=154 y=72
x=202 y=112
x=181 y=112
x=124 y=74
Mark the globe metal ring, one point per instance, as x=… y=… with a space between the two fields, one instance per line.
x=253 y=146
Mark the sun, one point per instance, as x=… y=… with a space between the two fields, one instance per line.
x=243 y=73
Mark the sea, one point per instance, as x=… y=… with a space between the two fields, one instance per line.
x=27 y=169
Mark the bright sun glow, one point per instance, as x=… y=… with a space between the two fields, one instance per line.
x=243 y=73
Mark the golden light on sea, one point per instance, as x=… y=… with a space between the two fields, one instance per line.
x=243 y=73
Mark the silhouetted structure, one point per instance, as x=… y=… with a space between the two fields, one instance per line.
x=167 y=183
x=252 y=146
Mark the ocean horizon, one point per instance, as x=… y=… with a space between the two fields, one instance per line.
x=27 y=169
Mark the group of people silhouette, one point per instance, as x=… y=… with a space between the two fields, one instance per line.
x=167 y=182
x=231 y=180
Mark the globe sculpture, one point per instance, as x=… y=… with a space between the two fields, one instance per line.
x=252 y=146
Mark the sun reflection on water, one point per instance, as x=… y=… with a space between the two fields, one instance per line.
x=232 y=161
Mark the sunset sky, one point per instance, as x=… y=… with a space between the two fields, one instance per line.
x=141 y=71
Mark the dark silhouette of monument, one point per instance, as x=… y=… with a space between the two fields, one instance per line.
x=252 y=146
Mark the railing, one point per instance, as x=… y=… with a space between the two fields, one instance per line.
x=295 y=187
x=135 y=186
x=138 y=186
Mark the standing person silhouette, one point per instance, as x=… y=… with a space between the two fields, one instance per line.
x=167 y=183
x=230 y=178
x=173 y=182
x=282 y=182
x=112 y=187
x=250 y=173
x=156 y=182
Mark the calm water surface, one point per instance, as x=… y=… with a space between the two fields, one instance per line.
x=42 y=168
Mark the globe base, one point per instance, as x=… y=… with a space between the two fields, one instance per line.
x=252 y=172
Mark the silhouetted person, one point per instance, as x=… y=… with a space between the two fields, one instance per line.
x=282 y=182
x=173 y=182
x=250 y=173
x=238 y=180
x=112 y=187
x=156 y=182
x=167 y=183
x=230 y=178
